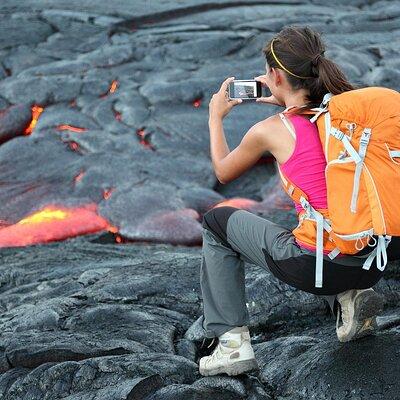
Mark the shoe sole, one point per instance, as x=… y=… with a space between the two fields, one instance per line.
x=368 y=304
x=237 y=368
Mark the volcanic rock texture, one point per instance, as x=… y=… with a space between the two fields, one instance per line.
x=119 y=94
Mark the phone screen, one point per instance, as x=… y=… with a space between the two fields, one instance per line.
x=249 y=89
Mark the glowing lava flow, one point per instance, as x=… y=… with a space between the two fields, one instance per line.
x=53 y=223
x=112 y=89
x=197 y=103
x=73 y=146
x=237 y=202
x=78 y=177
x=143 y=138
x=4 y=223
x=36 y=111
x=71 y=128
x=107 y=193
x=113 y=86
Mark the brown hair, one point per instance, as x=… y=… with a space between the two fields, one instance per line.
x=301 y=51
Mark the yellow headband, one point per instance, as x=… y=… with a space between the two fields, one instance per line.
x=280 y=64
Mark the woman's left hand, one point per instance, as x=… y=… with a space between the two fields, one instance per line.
x=220 y=104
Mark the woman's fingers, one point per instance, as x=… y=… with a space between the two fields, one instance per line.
x=265 y=99
x=225 y=84
x=269 y=100
x=261 y=79
x=235 y=102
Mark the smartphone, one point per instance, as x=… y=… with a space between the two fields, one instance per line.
x=246 y=89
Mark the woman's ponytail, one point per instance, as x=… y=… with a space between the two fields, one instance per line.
x=300 y=50
x=329 y=78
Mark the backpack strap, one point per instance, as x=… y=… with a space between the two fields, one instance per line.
x=319 y=245
x=338 y=134
x=378 y=252
x=323 y=107
x=321 y=224
x=357 y=173
x=284 y=119
x=294 y=192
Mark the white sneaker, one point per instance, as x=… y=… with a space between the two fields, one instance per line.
x=233 y=354
x=358 y=309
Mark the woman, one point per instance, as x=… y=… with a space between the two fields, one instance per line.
x=298 y=76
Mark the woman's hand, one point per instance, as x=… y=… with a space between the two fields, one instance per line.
x=220 y=104
x=270 y=99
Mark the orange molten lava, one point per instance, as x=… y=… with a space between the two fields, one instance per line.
x=4 y=223
x=141 y=132
x=143 y=141
x=112 y=229
x=52 y=223
x=71 y=128
x=113 y=86
x=237 y=202
x=197 y=103
x=107 y=193
x=73 y=146
x=78 y=177
x=112 y=89
x=36 y=111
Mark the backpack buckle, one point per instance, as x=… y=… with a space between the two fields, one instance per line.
x=365 y=137
x=337 y=133
x=318 y=113
x=326 y=98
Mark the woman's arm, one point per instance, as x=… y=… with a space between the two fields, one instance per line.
x=228 y=165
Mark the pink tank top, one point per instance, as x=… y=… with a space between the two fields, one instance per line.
x=306 y=166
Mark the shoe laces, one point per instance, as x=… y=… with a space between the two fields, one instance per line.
x=215 y=355
x=345 y=314
x=204 y=339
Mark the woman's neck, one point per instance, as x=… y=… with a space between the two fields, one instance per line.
x=295 y=100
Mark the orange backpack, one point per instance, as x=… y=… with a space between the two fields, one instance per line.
x=360 y=135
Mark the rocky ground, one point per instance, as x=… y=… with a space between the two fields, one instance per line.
x=122 y=90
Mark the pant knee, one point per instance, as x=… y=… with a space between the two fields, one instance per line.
x=216 y=221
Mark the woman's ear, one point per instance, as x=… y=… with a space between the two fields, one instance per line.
x=276 y=76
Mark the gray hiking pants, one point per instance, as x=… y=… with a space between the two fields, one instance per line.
x=232 y=236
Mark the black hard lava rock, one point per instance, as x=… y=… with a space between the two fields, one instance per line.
x=14 y=121
x=122 y=90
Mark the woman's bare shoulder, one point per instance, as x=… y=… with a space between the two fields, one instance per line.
x=270 y=129
x=275 y=138
x=270 y=121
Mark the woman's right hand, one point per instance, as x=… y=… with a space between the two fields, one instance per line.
x=270 y=99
